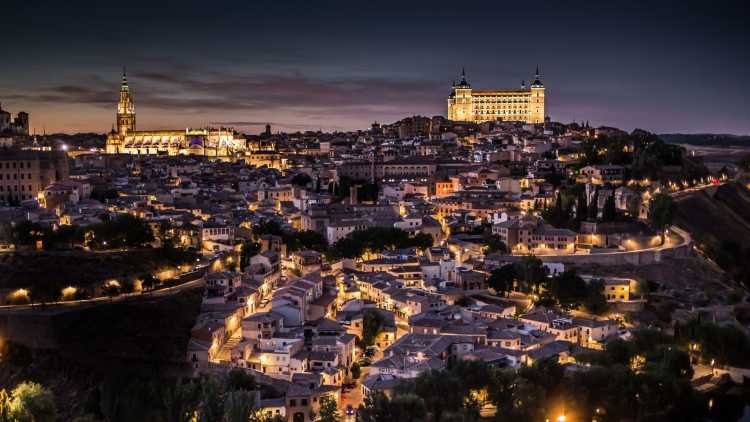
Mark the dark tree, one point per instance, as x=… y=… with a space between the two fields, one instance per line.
x=661 y=212
x=531 y=273
x=249 y=250
x=582 y=210
x=239 y=379
x=609 y=212
x=372 y=325
x=502 y=279
x=301 y=179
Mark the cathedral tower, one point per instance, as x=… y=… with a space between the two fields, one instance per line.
x=125 y=108
x=536 y=107
x=460 y=104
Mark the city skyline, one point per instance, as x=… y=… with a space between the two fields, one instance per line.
x=340 y=67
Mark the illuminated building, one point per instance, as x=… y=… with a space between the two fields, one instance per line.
x=125 y=139
x=473 y=105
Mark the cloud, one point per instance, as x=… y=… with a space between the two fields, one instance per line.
x=304 y=100
x=286 y=125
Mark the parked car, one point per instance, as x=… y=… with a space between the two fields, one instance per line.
x=349 y=410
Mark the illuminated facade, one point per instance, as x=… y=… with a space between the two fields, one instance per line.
x=473 y=105
x=125 y=139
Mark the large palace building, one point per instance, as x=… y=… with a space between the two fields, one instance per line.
x=210 y=142
x=473 y=105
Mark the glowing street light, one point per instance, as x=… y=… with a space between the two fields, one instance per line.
x=69 y=292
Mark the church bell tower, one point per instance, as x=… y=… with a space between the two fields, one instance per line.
x=125 y=108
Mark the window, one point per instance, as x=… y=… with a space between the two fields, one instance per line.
x=292 y=403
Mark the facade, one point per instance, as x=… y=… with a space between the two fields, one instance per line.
x=125 y=139
x=472 y=105
x=24 y=174
x=531 y=235
x=601 y=174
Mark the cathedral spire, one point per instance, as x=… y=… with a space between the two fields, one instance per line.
x=537 y=82
x=463 y=82
x=125 y=107
x=124 y=80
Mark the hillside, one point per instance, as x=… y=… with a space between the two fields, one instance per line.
x=716 y=216
x=103 y=350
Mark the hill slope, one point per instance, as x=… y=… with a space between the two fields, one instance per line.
x=716 y=216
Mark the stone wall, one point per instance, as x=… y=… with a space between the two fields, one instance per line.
x=639 y=257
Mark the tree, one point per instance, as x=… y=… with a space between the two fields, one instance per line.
x=112 y=288
x=239 y=379
x=212 y=408
x=661 y=211
x=4 y=406
x=440 y=391
x=568 y=289
x=726 y=344
x=238 y=406
x=609 y=212
x=463 y=301
x=301 y=179
x=595 y=302
x=407 y=407
x=531 y=272
x=558 y=215
x=375 y=408
x=329 y=411
x=267 y=227
x=356 y=371
x=305 y=239
x=148 y=282
x=124 y=230
x=368 y=192
x=32 y=402
x=581 y=206
x=249 y=250
x=179 y=401
x=494 y=244
x=501 y=279
x=377 y=239
x=372 y=325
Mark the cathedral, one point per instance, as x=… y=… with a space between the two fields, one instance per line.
x=473 y=105
x=209 y=142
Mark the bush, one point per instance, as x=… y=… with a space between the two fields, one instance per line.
x=31 y=402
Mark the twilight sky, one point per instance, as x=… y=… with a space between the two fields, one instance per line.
x=666 y=66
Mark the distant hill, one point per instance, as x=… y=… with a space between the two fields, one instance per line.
x=715 y=217
x=706 y=139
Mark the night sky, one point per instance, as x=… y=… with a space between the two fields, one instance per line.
x=671 y=67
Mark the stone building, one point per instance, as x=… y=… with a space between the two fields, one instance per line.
x=125 y=139
x=473 y=105
x=23 y=174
